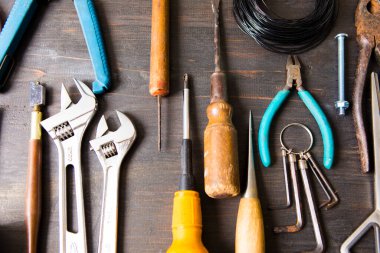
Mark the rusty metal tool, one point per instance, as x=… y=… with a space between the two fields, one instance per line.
x=221 y=161
x=66 y=129
x=367 y=22
x=250 y=225
x=111 y=148
x=33 y=182
x=159 y=57
x=294 y=78
x=373 y=221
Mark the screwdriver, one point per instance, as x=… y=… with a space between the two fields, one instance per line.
x=159 y=57
x=250 y=225
x=220 y=137
x=187 y=215
x=33 y=183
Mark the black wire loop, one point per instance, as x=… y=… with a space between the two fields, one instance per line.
x=281 y=35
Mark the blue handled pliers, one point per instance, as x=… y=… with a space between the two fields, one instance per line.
x=294 y=78
x=18 y=20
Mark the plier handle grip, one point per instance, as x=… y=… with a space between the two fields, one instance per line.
x=19 y=18
x=294 y=78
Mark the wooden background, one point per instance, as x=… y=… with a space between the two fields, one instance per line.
x=53 y=51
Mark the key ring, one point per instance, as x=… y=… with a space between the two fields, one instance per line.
x=290 y=151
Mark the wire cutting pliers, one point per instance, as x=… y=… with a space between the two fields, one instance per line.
x=19 y=19
x=294 y=78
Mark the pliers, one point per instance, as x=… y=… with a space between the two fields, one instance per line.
x=294 y=78
x=367 y=22
x=18 y=20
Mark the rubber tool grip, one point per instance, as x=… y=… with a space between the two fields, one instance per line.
x=11 y=35
x=187 y=223
x=95 y=44
x=324 y=126
x=265 y=124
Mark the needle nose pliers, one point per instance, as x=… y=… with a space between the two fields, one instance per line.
x=294 y=78
x=19 y=19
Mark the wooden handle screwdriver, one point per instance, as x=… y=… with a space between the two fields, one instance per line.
x=220 y=137
x=33 y=185
x=250 y=225
x=159 y=57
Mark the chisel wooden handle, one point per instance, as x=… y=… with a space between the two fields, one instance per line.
x=159 y=53
x=32 y=199
x=250 y=227
x=220 y=152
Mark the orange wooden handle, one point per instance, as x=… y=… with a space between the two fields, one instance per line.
x=159 y=53
x=221 y=152
x=33 y=196
x=250 y=227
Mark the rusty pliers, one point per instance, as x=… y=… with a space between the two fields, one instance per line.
x=367 y=22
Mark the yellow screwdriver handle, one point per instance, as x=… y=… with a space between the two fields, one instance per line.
x=187 y=223
x=250 y=227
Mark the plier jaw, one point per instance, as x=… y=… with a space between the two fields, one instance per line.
x=293 y=76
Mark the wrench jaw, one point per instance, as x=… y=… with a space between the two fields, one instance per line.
x=111 y=147
x=66 y=129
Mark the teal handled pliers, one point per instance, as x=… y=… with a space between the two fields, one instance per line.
x=294 y=78
x=19 y=18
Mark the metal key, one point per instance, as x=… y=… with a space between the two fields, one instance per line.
x=111 y=148
x=67 y=129
x=303 y=167
x=333 y=198
x=297 y=199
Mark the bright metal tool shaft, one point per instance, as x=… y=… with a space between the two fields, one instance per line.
x=251 y=191
x=159 y=123
x=186 y=109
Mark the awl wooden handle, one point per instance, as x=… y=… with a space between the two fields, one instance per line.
x=221 y=152
x=250 y=227
x=32 y=197
x=159 y=54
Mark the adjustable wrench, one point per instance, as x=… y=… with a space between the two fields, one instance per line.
x=67 y=129
x=111 y=148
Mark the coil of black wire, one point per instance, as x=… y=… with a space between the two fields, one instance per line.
x=281 y=35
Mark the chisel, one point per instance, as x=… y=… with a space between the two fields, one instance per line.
x=250 y=225
x=187 y=215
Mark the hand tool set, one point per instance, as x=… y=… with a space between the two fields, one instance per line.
x=187 y=215
x=221 y=163
x=18 y=21
x=304 y=162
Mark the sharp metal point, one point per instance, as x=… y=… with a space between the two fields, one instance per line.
x=251 y=191
x=159 y=123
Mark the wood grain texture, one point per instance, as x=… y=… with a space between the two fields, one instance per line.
x=250 y=236
x=221 y=162
x=54 y=51
x=33 y=195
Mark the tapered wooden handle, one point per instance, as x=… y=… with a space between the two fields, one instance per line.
x=250 y=227
x=221 y=153
x=159 y=53
x=33 y=196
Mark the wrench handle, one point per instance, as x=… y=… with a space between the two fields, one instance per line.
x=108 y=223
x=33 y=195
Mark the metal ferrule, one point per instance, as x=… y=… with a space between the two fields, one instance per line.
x=218 y=87
x=35 y=130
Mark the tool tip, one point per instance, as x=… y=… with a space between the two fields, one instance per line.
x=215 y=5
x=159 y=123
x=186 y=81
